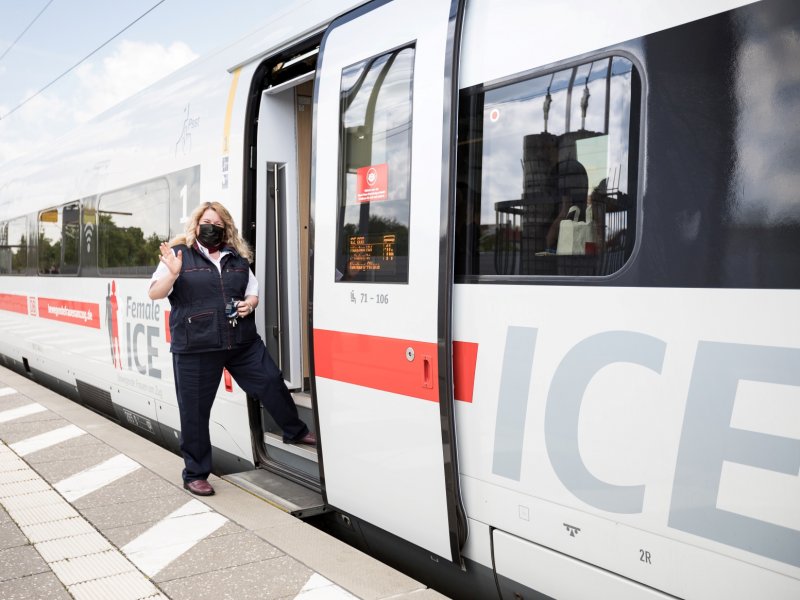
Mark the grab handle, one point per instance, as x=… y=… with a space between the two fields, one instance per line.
x=426 y=372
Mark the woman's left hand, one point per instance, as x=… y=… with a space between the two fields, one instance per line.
x=244 y=308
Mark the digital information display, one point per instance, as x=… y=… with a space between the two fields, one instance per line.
x=371 y=252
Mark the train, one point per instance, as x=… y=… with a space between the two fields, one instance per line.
x=530 y=269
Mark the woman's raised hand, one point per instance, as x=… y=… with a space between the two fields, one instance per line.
x=169 y=258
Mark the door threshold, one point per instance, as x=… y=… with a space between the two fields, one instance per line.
x=275 y=442
x=290 y=497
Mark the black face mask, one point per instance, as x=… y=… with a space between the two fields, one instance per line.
x=211 y=236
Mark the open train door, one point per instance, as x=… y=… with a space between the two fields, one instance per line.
x=381 y=285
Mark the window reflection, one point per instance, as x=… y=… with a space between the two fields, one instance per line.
x=14 y=247
x=131 y=224
x=543 y=174
x=376 y=168
x=59 y=240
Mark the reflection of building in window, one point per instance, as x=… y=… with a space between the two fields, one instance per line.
x=516 y=189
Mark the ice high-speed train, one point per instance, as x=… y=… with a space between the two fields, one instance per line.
x=531 y=268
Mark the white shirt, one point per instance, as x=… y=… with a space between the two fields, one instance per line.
x=252 y=282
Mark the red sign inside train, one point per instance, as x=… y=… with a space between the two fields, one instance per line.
x=372 y=183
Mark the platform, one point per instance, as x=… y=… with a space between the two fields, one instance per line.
x=89 y=510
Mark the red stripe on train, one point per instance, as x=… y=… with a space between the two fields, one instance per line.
x=14 y=303
x=465 y=359
x=382 y=364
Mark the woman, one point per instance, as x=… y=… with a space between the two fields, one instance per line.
x=202 y=271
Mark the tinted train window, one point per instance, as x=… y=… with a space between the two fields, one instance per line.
x=131 y=223
x=546 y=174
x=59 y=240
x=375 y=175
x=14 y=247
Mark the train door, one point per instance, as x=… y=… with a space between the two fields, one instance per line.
x=282 y=162
x=380 y=362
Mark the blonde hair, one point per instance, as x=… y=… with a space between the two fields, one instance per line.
x=231 y=236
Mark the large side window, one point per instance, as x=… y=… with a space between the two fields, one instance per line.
x=375 y=168
x=14 y=246
x=131 y=223
x=59 y=240
x=546 y=173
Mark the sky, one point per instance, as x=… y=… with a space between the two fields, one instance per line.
x=171 y=35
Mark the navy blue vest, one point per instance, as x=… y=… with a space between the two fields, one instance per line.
x=197 y=322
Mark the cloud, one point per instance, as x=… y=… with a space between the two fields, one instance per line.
x=40 y=120
x=132 y=67
x=86 y=92
x=766 y=179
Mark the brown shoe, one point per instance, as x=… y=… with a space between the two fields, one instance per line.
x=309 y=439
x=199 y=487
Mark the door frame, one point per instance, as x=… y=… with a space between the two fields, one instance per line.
x=250 y=231
x=456 y=514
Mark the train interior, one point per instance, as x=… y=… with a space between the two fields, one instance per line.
x=277 y=205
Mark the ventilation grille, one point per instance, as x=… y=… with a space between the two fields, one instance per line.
x=95 y=398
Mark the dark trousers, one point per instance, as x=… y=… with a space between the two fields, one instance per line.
x=197 y=378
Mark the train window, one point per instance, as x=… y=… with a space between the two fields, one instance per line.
x=375 y=176
x=131 y=223
x=546 y=173
x=59 y=240
x=14 y=246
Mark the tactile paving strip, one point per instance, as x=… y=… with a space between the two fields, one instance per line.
x=79 y=556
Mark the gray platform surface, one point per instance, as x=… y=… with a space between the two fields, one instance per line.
x=90 y=510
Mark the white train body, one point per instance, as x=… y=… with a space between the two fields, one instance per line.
x=620 y=421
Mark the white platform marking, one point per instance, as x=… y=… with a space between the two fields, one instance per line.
x=45 y=440
x=89 y=567
x=93 y=478
x=172 y=536
x=7 y=391
x=20 y=411
x=319 y=588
